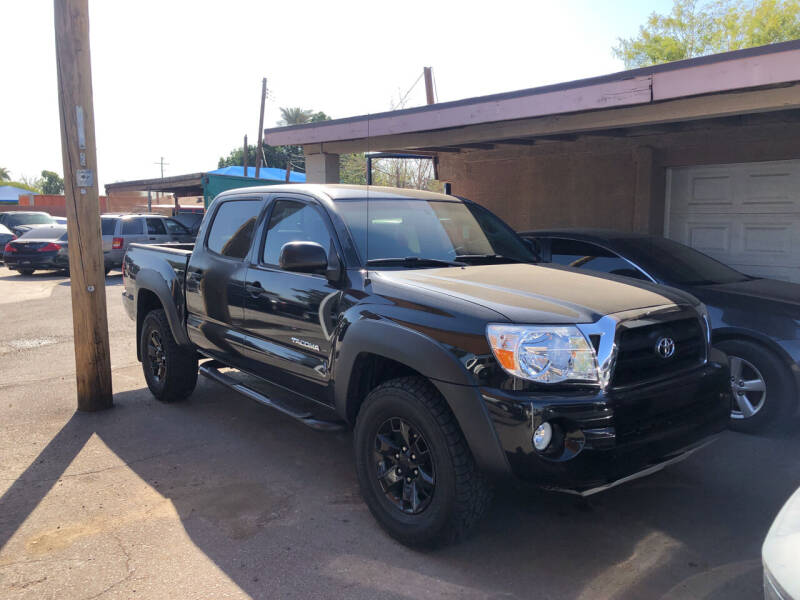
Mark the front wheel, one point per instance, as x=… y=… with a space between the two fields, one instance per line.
x=170 y=371
x=415 y=470
x=762 y=387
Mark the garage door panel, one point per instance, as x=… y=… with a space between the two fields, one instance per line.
x=745 y=215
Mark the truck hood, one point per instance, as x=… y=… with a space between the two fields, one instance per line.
x=526 y=293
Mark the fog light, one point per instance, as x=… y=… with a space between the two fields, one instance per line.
x=542 y=436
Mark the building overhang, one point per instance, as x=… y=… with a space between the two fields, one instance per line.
x=755 y=80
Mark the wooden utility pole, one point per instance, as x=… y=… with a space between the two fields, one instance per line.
x=76 y=112
x=261 y=126
x=428 y=84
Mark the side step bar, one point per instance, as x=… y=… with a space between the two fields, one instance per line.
x=211 y=369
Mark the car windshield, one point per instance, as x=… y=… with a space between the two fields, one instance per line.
x=30 y=219
x=434 y=230
x=678 y=264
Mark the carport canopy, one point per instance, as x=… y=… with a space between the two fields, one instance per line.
x=696 y=93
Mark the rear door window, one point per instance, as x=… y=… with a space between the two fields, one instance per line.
x=108 y=226
x=132 y=227
x=233 y=226
x=156 y=227
x=584 y=255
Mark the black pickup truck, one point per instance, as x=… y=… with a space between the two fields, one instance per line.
x=422 y=322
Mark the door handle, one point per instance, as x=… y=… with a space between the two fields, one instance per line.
x=152 y=238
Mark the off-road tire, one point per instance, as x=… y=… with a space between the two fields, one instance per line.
x=461 y=495
x=180 y=377
x=780 y=401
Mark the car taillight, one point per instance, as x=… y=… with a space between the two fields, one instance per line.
x=116 y=243
x=9 y=248
x=49 y=247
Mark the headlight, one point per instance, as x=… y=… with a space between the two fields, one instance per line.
x=544 y=353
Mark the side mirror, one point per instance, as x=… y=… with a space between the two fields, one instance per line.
x=303 y=257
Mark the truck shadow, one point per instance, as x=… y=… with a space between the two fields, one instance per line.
x=276 y=507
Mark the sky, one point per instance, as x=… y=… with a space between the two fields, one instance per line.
x=182 y=80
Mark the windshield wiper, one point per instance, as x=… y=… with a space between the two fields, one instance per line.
x=485 y=257
x=414 y=261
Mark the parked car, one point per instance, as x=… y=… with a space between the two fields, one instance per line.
x=425 y=328
x=6 y=235
x=41 y=248
x=60 y=220
x=120 y=230
x=780 y=554
x=20 y=221
x=756 y=321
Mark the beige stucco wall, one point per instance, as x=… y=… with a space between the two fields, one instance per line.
x=599 y=181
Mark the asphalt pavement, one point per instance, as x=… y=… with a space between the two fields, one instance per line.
x=218 y=497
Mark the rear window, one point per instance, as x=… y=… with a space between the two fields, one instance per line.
x=109 y=226
x=233 y=226
x=132 y=227
x=45 y=233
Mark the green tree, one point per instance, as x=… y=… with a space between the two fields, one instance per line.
x=295 y=116
x=695 y=29
x=5 y=175
x=353 y=168
x=52 y=183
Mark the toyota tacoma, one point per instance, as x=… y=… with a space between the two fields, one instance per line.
x=422 y=322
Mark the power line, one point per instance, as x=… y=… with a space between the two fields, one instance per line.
x=401 y=103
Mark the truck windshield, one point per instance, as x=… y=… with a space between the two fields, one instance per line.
x=435 y=230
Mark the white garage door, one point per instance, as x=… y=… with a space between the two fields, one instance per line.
x=745 y=215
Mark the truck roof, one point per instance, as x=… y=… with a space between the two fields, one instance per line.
x=339 y=190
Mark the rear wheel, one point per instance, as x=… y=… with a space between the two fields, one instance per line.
x=415 y=470
x=170 y=371
x=762 y=386
x=25 y=271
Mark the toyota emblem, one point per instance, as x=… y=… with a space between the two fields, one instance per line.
x=665 y=347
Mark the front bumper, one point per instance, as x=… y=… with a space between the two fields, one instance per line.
x=605 y=438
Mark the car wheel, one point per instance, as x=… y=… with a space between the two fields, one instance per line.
x=107 y=269
x=415 y=470
x=762 y=387
x=170 y=371
x=25 y=271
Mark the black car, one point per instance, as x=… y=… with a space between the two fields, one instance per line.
x=756 y=321
x=418 y=320
x=40 y=248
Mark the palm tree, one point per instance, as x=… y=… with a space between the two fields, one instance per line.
x=295 y=116
x=4 y=174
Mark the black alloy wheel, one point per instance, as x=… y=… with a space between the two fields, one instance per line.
x=156 y=358
x=169 y=369
x=414 y=467
x=404 y=466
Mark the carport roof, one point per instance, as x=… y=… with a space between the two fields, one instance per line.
x=753 y=80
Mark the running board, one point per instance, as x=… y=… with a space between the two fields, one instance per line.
x=211 y=369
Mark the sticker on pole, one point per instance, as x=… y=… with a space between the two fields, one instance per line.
x=84 y=177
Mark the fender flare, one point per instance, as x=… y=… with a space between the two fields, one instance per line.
x=395 y=342
x=431 y=360
x=169 y=292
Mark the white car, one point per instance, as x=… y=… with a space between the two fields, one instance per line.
x=781 y=553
